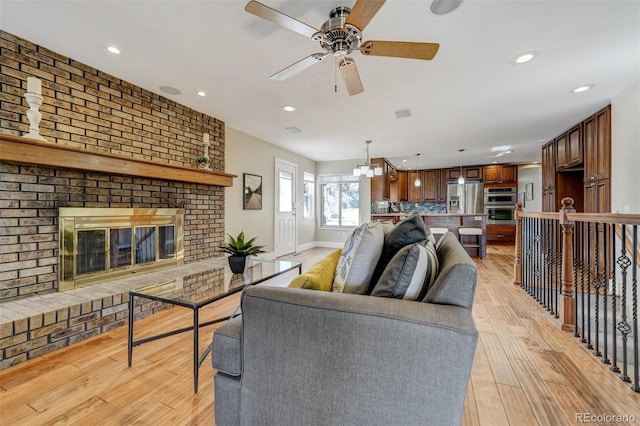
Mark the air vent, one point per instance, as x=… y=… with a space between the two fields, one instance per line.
x=403 y=113
x=293 y=129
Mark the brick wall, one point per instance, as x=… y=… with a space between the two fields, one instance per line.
x=87 y=108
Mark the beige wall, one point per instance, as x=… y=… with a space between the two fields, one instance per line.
x=531 y=173
x=625 y=150
x=247 y=154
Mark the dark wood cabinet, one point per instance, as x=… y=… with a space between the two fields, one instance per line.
x=415 y=192
x=597 y=196
x=501 y=234
x=381 y=184
x=569 y=153
x=429 y=185
x=597 y=146
x=548 y=166
x=500 y=174
x=441 y=191
x=469 y=173
x=549 y=200
x=401 y=187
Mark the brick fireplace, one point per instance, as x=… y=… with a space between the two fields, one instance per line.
x=88 y=111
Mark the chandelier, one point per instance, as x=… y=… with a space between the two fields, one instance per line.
x=367 y=169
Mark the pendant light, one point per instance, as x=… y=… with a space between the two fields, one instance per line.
x=367 y=169
x=461 y=177
x=417 y=182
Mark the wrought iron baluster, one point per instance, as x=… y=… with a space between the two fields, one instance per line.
x=538 y=256
x=582 y=265
x=614 y=343
x=623 y=326
x=576 y=255
x=634 y=295
x=597 y=284
x=605 y=282
x=558 y=282
x=589 y=345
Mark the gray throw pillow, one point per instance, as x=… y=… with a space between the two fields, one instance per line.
x=358 y=259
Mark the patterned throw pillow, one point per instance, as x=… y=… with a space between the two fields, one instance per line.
x=410 y=272
x=358 y=259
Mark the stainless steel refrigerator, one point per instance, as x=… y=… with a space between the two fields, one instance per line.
x=467 y=198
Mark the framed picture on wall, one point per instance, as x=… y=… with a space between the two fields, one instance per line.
x=252 y=195
x=529 y=191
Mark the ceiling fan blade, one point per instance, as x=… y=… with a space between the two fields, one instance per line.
x=400 y=49
x=362 y=12
x=279 y=18
x=350 y=76
x=302 y=64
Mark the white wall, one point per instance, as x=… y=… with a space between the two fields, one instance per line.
x=531 y=173
x=625 y=150
x=246 y=154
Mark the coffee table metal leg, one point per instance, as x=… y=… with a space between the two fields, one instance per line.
x=196 y=355
x=130 y=343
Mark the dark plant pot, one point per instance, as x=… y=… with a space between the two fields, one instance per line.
x=238 y=264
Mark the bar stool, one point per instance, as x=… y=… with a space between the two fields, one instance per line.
x=480 y=242
x=439 y=231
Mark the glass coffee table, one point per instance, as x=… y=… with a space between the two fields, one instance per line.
x=197 y=290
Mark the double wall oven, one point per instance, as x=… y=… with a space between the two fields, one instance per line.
x=500 y=205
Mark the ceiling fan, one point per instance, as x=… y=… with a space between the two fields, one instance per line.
x=340 y=35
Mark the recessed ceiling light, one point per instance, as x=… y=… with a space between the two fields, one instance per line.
x=170 y=90
x=113 y=50
x=525 y=57
x=404 y=161
x=288 y=108
x=201 y=93
x=508 y=151
x=583 y=88
x=443 y=7
x=494 y=162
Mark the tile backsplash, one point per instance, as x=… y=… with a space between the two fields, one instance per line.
x=385 y=207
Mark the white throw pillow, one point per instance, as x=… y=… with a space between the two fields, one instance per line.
x=358 y=259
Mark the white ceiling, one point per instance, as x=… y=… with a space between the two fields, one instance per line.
x=470 y=96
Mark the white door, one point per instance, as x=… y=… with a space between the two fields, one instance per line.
x=285 y=203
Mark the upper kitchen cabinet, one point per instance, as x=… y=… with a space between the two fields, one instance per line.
x=597 y=146
x=400 y=190
x=415 y=192
x=569 y=149
x=500 y=174
x=381 y=186
x=548 y=166
x=470 y=173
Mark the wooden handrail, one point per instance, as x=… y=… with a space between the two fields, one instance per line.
x=616 y=218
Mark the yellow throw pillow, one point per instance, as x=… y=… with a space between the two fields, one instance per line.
x=320 y=275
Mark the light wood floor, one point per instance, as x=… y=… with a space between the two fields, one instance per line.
x=526 y=372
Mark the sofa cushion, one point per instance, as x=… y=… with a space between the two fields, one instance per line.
x=320 y=275
x=358 y=259
x=409 y=273
x=387 y=226
x=227 y=345
x=408 y=231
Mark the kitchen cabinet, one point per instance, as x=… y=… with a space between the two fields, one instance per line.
x=549 y=200
x=401 y=187
x=441 y=190
x=415 y=192
x=381 y=185
x=469 y=173
x=569 y=153
x=548 y=166
x=429 y=184
x=500 y=174
x=597 y=146
x=597 y=196
x=501 y=234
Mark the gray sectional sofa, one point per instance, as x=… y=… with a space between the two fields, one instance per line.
x=303 y=357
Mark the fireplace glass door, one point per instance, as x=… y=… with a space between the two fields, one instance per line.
x=96 y=243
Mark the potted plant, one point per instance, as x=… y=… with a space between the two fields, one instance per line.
x=202 y=160
x=240 y=251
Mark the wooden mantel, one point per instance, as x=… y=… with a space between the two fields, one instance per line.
x=32 y=151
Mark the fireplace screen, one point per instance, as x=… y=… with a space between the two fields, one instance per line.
x=96 y=244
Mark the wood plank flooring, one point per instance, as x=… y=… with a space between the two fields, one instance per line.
x=526 y=371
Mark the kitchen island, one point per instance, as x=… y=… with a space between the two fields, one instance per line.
x=452 y=221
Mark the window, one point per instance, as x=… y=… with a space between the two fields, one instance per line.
x=309 y=193
x=340 y=198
